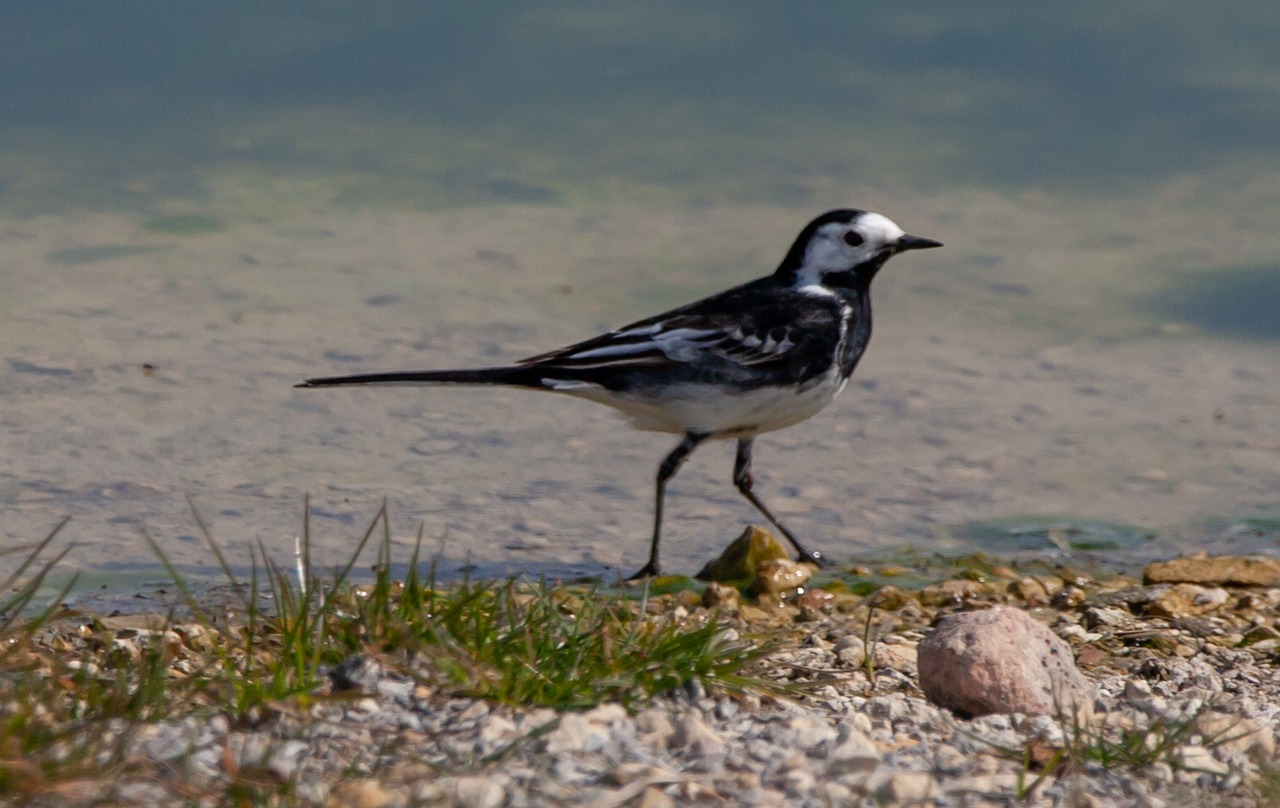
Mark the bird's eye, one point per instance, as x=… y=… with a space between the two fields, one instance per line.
x=853 y=238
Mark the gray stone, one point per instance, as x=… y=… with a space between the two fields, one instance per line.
x=1199 y=759
x=576 y=734
x=497 y=730
x=853 y=752
x=906 y=788
x=284 y=759
x=478 y=792
x=694 y=738
x=799 y=783
x=355 y=673
x=655 y=727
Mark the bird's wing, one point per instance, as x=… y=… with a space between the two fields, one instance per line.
x=736 y=327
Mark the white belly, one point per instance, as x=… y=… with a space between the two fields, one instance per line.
x=706 y=408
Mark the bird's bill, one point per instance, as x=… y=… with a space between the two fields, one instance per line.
x=914 y=243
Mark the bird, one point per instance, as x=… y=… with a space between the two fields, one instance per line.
x=755 y=358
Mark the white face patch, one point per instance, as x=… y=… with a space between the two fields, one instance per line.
x=881 y=229
x=828 y=251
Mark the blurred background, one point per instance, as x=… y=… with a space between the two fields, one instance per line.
x=202 y=204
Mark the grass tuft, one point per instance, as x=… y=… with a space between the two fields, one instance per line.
x=536 y=644
x=18 y=589
x=1131 y=748
x=75 y=689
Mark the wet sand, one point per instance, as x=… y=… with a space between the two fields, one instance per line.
x=1010 y=373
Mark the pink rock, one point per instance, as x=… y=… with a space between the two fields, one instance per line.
x=1000 y=660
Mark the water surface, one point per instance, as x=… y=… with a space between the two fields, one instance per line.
x=201 y=205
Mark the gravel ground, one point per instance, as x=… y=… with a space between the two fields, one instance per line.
x=1186 y=714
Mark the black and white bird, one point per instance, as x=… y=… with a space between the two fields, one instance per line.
x=758 y=357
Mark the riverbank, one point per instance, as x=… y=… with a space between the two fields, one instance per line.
x=489 y=694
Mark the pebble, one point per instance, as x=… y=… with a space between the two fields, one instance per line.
x=1106 y=617
x=365 y=793
x=705 y=748
x=355 y=673
x=1240 y=735
x=897 y=656
x=853 y=752
x=477 y=792
x=1185 y=600
x=850 y=741
x=781 y=577
x=1204 y=569
x=1199 y=759
x=655 y=726
x=850 y=650
x=906 y=788
x=576 y=733
x=283 y=761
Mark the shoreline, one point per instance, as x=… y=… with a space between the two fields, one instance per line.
x=1186 y=674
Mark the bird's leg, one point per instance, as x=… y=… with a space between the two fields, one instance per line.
x=666 y=470
x=743 y=480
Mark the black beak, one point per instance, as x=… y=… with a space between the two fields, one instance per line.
x=914 y=243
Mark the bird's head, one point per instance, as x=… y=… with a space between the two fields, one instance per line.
x=844 y=248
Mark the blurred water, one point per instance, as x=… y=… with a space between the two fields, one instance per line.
x=200 y=205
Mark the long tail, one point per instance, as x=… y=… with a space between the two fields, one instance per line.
x=515 y=376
